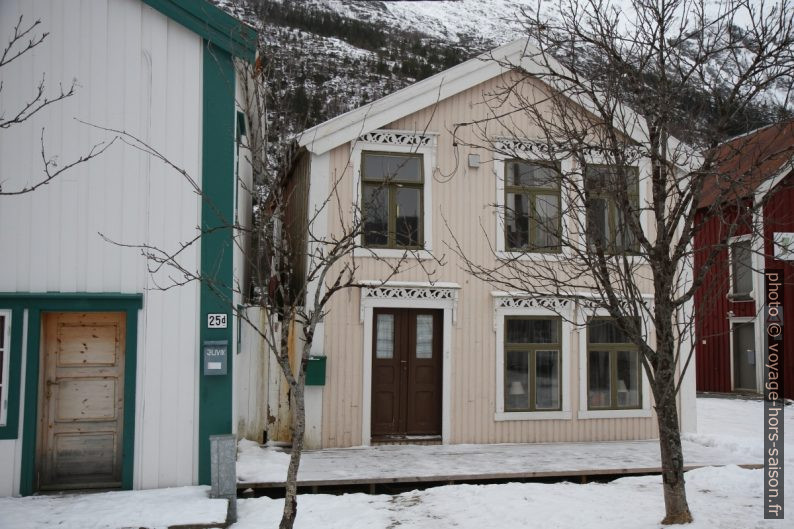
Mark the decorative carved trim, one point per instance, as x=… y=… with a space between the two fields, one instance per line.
x=548 y=303
x=389 y=137
x=386 y=292
x=522 y=148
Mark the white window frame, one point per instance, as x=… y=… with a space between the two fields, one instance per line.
x=584 y=413
x=499 y=162
x=565 y=360
x=4 y=396
x=739 y=298
x=428 y=153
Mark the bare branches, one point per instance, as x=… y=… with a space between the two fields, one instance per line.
x=24 y=40
x=16 y=48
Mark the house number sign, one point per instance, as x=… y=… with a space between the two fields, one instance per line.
x=216 y=321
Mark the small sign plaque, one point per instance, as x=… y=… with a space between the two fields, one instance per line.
x=216 y=321
x=215 y=355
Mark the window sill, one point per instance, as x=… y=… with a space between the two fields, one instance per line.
x=738 y=298
x=531 y=256
x=532 y=416
x=613 y=414
x=392 y=253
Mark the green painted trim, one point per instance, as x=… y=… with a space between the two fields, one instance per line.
x=75 y=300
x=130 y=379
x=27 y=478
x=217 y=243
x=211 y=23
x=36 y=303
x=11 y=429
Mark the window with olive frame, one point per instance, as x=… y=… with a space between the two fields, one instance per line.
x=392 y=200
x=607 y=224
x=614 y=374
x=532 y=206
x=532 y=379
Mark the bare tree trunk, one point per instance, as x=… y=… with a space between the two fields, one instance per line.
x=675 y=504
x=298 y=429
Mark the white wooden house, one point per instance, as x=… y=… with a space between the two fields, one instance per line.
x=411 y=360
x=102 y=377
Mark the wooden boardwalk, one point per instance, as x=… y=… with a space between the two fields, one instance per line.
x=403 y=464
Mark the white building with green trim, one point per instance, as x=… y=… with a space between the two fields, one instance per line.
x=103 y=378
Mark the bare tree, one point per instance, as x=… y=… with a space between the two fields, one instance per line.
x=24 y=39
x=627 y=124
x=294 y=265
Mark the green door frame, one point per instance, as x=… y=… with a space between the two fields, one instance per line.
x=38 y=303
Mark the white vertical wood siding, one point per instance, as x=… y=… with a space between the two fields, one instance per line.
x=462 y=198
x=139 y=71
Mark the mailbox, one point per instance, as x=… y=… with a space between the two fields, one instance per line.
x=216 y=354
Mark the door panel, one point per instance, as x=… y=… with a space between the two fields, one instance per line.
x=406 y=372
x=744 y=364
x=82 y=400
x=424 y=373
x=386 y=373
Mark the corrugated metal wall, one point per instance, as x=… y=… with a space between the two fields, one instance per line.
x=139 y=71
x=463 y=197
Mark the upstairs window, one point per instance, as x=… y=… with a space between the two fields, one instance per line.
x=392 y=200
x=741 y=256
x=532 y=206
x=607 y=225
x=613 y=367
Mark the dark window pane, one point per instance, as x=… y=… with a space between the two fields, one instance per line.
x=741 y=267
x=517 y=221
x=605 y=330
x=376 y=215
x=599 y=390
x=628 y=379
x=409 y=206
x=392 y=168
x=531 y=174
x=600 y=179
x=516 y=380
x=597 y=222
x=625 y=237
x=532 y=331
x=2 y=336
x=547 y=221
x=547 y=380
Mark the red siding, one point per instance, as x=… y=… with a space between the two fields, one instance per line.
x=712 y=305
x=779 y=215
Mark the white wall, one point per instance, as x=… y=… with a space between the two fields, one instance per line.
x=139 y=71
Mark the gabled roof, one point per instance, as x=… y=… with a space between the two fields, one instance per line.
x=212 y=23
x=349 y=126
x=751 y=162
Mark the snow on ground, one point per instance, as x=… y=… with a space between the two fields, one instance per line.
x=141 y=508
x=720 y=497
x=253 y=461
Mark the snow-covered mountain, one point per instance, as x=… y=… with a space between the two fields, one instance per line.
x=335 y=55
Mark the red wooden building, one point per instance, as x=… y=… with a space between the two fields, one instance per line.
x=754 y=186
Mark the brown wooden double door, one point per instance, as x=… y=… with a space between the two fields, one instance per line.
x=406 y=372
